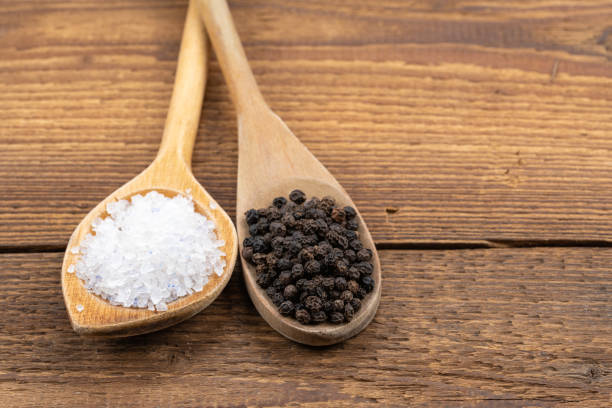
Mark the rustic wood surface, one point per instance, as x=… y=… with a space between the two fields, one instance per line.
x=486 y=327
x=454 y=125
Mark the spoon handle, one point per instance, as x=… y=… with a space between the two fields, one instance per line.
x=228 y=48
x=183 y=117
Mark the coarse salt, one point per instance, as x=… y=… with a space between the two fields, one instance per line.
x=80 y=308
x=150 y=251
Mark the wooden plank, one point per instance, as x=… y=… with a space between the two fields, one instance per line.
x=495 y=327
x=465 y=121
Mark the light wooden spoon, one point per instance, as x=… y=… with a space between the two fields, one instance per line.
x=272 y=162
x=170 y=174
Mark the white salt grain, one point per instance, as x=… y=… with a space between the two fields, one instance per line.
x=213 y=205
x=150 y=251
x=71 y=269
x=80 y=308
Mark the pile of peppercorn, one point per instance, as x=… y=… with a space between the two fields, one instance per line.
x=308 y=258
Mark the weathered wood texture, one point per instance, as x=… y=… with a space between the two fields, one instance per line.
x=477 y=121
x=486 y=328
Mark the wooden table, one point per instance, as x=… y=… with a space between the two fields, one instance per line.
x=476 y=137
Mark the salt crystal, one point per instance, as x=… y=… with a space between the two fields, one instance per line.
x=80 y=308
x=149 y=251
x=213 y=205
x=74 y=250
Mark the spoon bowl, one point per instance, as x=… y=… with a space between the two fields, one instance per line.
x=169 y=174
x=321 y=334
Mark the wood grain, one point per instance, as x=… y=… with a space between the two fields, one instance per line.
x=447 y=121
x=473 y=328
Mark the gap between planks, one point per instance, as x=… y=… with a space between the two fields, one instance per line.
x=425 y=245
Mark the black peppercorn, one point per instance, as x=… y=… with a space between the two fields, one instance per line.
x=247 y=253
x=336 y=317
x=284 y=263
x=349 y=312
x=286 y=308
x=338 y=215
x=353 y=273
x=290 y=292
x=364 y=254
x=353 y=287
x=308 y=287
x=277 y=242
x=312 y=268
x=317 y=280
x=285 y=278
x=338 y=305
x=271 y=260
x=278 y=285
x=278 y=229
x=328 y=283
x=365 y=268
x=340 y=284
x=278 y=252
x=356 y=303
x=321 y=293
x=288 y=220
x=267 y=238
x=297 y=196
x=299 y=284
x=347 y=296
x=327 y=203
x=356 y=245
x=352 y=225
x=367 y=283
x=303 y=316
x=263 y=280
x=274 y=213
x=261 y=268
x=297 y=271
x=362 y=293
x=259 y=258
x=306 y=254
x=350 y=212
x=259 y=245
x=319 y=317
x=278 y=202
x=313 y=303
x=351 y=235
x=251 y=217
x=337 y=240
x=341 y=268
x=350 y=255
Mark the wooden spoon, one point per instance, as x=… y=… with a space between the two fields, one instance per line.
x=169 y=174
x=272 y=162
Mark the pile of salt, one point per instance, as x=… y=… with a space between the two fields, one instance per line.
x=149 y=251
